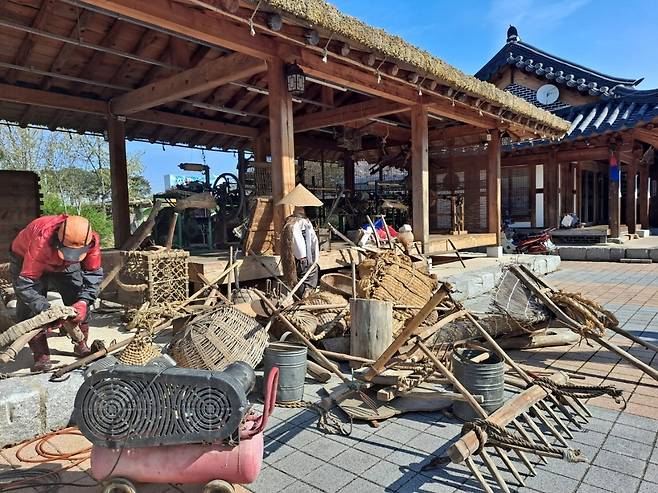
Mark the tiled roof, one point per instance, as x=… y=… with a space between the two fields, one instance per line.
x=629 y=109
x=555 y=69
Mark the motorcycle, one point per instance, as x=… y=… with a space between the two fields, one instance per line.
x=538 y=244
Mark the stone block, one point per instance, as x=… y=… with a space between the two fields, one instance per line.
x=598 y=254
x=642 y=253
x=616 y=254
x=552 y=262
x=643 y=233
x=572 y=252
x=495 y=251
x=58 y=399
x=20 y=412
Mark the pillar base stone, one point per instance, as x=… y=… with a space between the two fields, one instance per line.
x=495 y=251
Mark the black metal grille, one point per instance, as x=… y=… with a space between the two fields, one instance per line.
x=150 y=406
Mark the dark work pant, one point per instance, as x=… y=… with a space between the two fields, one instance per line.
x=67 y=283
x=311 y=281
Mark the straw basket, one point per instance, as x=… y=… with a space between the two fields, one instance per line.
x=337 y=283
x=217 y=339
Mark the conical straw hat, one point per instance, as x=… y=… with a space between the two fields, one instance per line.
x=300 y=197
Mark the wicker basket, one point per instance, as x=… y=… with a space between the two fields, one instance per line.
x=163 y=273
x=139 y=351
x=217 y=339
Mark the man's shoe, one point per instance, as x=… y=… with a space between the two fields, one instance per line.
x=81 y=349
x=41 y=363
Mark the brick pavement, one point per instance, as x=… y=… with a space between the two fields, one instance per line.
x=621 y=446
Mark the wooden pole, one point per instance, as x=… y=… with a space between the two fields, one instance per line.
x=348 y=175
x=171 y=231
x=551 y=191
x=116 y=134
x=614 y=203
x=282 y=145
x=631 y=196
x=644 y=196
x=420 y=174
x=493 y=185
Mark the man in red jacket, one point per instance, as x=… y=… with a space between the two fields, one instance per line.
x=62 y=254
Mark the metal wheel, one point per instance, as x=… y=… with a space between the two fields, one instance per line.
x=229 y=195
x=218 y=486
x=120 y=485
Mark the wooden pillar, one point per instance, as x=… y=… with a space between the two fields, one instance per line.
x=578 y=191
x=260 y=149
x=116 y=134
x=420 y=174
x=348 y=175
x=631 y=195
x=614 y=203
x=644 y=196
x=282 y=145
x=552 y=191
x=493 y=185
x=533 y=195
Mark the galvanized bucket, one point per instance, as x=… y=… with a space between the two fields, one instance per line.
x=486 y=379
x=290 y=359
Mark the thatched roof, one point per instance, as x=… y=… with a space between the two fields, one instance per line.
x=326 y=16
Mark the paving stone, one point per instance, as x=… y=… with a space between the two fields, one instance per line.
x=298 y=464
x=633 y=433
x=329 y=478
x=324 y=449
x=300 y=487
x=548 y=481
x=397 y=433
x=576 y=470
x=610 y=480
x=355 y=461
x=641 y=253
x=431 y=443
x=620 y=463
x=572 y=252
x=603 y=413
x=378 y=446
x=271 y=480
x=389 y=475
x=407 y=457
x=298 y=437
x=275 y=451
x=360 y=485
x=628 y=447
x=638 y=421
x=445 y=430
x=588 y=488
x=423 y=484
x=616 y=254
x=416 y=421
x=590 y=438
x=651 y=474
x=598 y=254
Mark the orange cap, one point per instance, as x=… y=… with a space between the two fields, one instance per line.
x=74 y=238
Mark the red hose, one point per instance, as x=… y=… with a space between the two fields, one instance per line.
x=268 y=407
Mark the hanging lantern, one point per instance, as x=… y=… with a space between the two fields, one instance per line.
x=296 y=79
x=505 y=139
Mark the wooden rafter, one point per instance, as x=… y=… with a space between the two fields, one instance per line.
x=455 y=131
x=77 y=104
x=347 y=114
x=647 y=136
x=193 y=81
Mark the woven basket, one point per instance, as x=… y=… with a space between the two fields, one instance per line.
x=139 y=351
x=217 y=339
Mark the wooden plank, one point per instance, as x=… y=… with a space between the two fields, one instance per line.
x=494 y=204
x=282 y=144
x=119 y=180
x=193 y=81
x=349 y=113
x=420 y=174
x=439 y=244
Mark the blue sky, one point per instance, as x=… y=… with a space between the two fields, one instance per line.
x=613 y=37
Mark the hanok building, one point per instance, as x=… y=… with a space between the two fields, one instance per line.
x=281 y=79
x=607 y=153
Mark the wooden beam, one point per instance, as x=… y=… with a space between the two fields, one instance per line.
x=648 y=136
x=78 y=104
x=193 y=81
x=420 y=174
x=389 y=132
x=116 y=133
x=282 y=144
x=614 y=201
x=346 y=114
x=194 y=23
x=631 y=194
x=494 y=204
x=455 y=131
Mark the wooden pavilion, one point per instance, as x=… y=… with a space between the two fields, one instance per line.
x=604 y=168
x=213 y=73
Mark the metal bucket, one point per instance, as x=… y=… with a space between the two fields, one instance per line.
x=290 y=359
x=486 y=379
